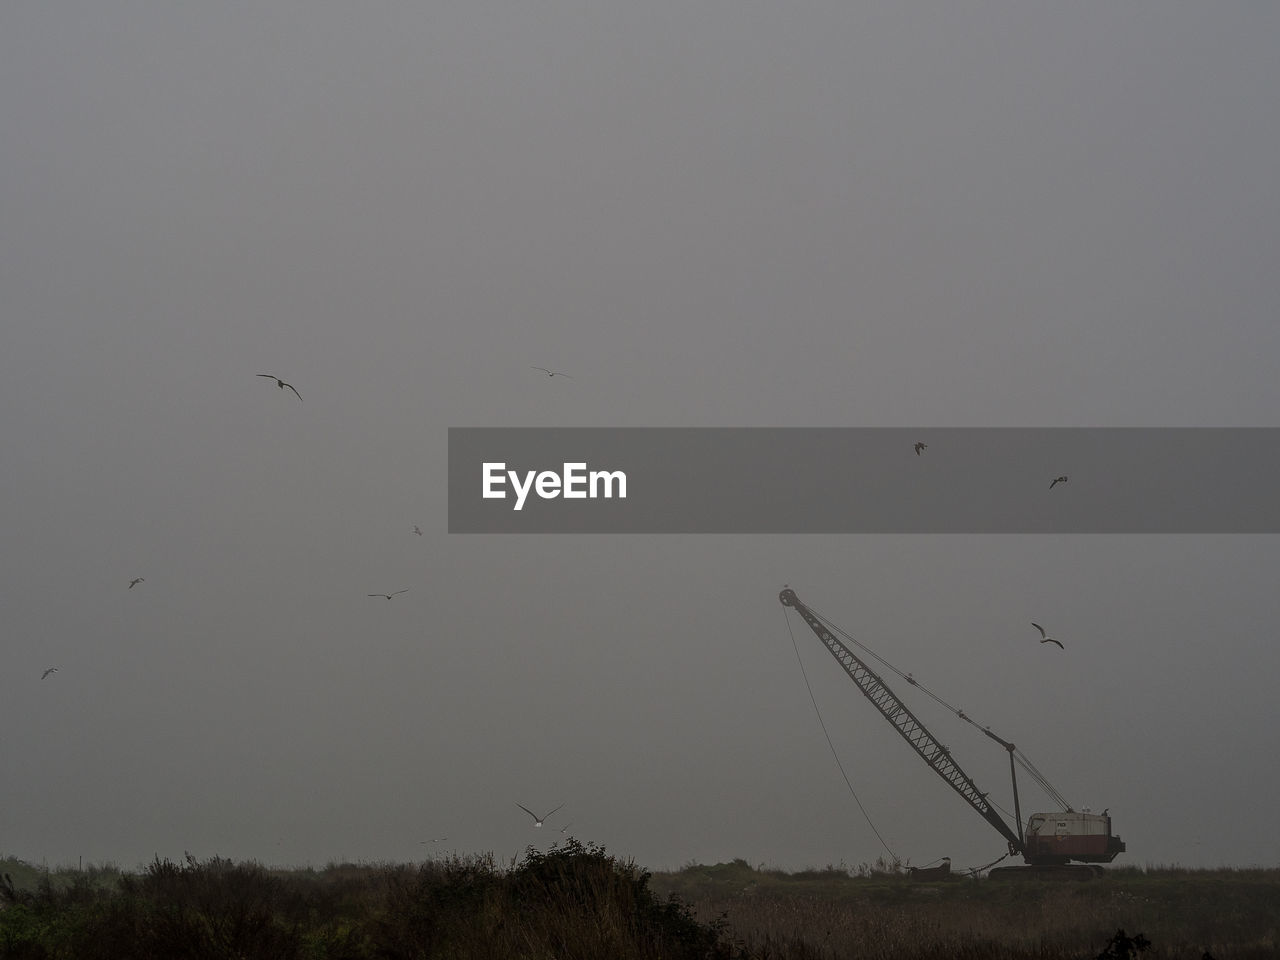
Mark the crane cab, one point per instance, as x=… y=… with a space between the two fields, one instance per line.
x=1070 y=835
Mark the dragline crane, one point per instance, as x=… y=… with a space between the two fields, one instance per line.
x=1050 y=841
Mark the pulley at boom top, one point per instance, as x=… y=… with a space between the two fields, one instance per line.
x=1049 y=838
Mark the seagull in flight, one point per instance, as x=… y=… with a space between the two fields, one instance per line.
x=417 y=530
x=1057 y=481
x=389 y=595
x=920 y=448
x=552 y=373
x=441 y=840
x=134 y=582
x=566 y=826
x=280 y=383
x=49 y=671
x=537 y=820
x=1046 y=638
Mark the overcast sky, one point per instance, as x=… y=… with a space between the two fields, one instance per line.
x=728 y=213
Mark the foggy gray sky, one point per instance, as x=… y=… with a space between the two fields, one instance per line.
x=709 y=214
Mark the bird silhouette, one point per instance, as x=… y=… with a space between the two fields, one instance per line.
x=389 y=595
x=552 y=373
x=441 y=840
x=133 y=583
x=537 y=820
x=1057 y=481
x=49 y=671
x=566 y=826
x=280 y=383
x=1045 y=637
x=920 y=448
x=418 y=531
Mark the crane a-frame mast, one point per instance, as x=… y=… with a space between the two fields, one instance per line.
x=905 y=722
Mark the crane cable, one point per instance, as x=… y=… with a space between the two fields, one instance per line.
x=974 y=871
x=822 y=723
x=915 y=683
x=1022 y=759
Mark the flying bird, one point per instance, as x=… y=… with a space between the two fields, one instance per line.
x=920 y=448
x=1046 y=638
x=1057 y=481
x=390 y=595
x=566 y=826
x=280 y=383
x=133 y=583
x=49 y=671
x=418 y=531
x=552 y=373
x=441 y=840
x=537 y=820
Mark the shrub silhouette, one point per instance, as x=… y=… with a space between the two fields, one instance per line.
x=577 y=881
x=192 y=911
x=1122 y=947
x=572 y=901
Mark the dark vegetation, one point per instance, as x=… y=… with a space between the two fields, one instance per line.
x=575 y=901
x=572 y=902
x=876 y=912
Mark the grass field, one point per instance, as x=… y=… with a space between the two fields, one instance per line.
x=580 y=902
x=877 y=914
